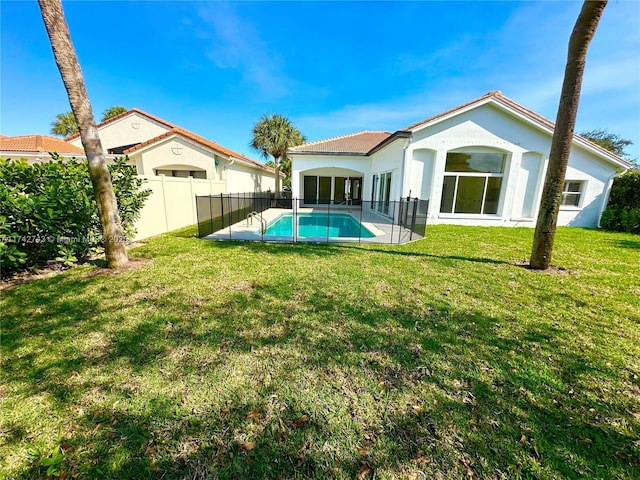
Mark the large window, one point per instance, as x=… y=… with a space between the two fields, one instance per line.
x=472 y=182
x=571 y=193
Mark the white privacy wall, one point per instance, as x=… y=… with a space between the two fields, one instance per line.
x=171 y=204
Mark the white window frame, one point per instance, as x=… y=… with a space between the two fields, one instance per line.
x=567 y=192
x=486 y=177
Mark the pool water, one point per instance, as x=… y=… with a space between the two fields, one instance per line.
x=318 y=225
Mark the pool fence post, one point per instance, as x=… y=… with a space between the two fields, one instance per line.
x=230 y=214
x=328 y=218
x=294 y=219
x=413 y=220
x=360 y=228
x=393 y=220
x=211 y=211
x=222 y=209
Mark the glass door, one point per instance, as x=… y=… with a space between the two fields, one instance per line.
x=310 y=190
x=339 y=190
x=324 y=190
x=356 y=191
x=384 y=191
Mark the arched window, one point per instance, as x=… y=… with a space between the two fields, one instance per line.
x=472 y=182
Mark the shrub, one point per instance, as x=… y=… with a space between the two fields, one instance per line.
x=49 y=211
x=623 y=210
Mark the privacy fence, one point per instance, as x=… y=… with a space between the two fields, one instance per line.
x=263 y=217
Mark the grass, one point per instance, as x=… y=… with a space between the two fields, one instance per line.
x=436 y=359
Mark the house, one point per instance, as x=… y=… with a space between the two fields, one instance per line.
x=157 y=147
x=177 y=165
x=36 y=148
x=481 y=163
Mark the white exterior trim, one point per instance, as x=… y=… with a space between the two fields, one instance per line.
x=489 y=124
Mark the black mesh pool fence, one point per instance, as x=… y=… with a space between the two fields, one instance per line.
x=263 y=216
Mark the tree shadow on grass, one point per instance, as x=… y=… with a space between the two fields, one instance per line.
x=271 y=382
x=329 y=249
x=635 y=244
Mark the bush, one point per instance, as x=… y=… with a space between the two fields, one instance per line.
x=623 y=210
x=49 y=211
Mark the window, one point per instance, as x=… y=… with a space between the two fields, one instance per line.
x=571 y=193
x=472 y=182
x=182 y=173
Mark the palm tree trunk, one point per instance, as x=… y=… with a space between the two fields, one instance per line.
x=583 y=32
x=67 y=62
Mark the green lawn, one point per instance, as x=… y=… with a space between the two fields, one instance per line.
x=437 y=359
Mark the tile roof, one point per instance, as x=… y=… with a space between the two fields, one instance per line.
x=37 y=143
x=363 y=143
x=174 y=129
x=201 y=141
x=359 y=143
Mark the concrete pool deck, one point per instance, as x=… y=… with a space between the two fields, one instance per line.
x=380 y=225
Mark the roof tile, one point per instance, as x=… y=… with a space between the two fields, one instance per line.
x=355 y=143
x=200 y=140
x=124 y=114
x=38 y=143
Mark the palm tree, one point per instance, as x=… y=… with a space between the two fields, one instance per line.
x=64 y=124
x=581 y=36
x=274 y=135
x=112 y=112
x=67 y=62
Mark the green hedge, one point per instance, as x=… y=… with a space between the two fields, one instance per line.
x=49 y=212
x=623 y=210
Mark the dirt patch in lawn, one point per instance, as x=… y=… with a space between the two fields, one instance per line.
x=133 y=264
x=552 y=270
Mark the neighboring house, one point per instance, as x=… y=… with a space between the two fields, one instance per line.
x=177 y=165
x=482 y=163
x=158 y=147
x=36 y=148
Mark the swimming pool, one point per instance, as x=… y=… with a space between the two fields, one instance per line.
x=338 y=225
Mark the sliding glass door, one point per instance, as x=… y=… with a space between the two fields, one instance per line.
x=384 y=192
x=335 y=190
x=310 y=190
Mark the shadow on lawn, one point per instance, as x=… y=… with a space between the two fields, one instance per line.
x=326 y=249
x=414 y=386
x=635 y=244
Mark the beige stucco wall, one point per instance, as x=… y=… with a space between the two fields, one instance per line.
x=175 y=153
x=241 y=178
x=133 y=128
x=172 y=203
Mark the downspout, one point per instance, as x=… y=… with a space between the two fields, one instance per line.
x=608 y=193
x=403 y=168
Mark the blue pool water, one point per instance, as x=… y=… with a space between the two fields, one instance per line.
x=318 y=225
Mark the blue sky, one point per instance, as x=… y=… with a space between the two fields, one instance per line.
x=331 y=67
